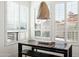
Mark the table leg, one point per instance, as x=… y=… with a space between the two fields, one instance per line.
x=17 y=36
x=70 y=51
x=65 y=54
x=32 y=49
x=19 y=50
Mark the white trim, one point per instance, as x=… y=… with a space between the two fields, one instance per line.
x=29 y=22
x=5 y=27
x=65 y=24
x=78 y=21
x=53 y=21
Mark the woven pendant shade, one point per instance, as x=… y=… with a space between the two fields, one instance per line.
x=43 y=12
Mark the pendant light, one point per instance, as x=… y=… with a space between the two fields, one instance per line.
x=43 y=12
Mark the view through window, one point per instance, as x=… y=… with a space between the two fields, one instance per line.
x=17 y=16
x=60 y=21
x=72 y=21
x=66 y=21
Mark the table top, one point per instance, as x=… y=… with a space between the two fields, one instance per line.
x=65 y=46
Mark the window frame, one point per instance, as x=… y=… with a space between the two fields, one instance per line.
x=66 y=37
x=25 y=31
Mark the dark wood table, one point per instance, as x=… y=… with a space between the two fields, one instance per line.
x=66 y=50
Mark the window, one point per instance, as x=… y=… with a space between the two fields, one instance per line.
x=66 y=21
x=23 y=17
x=12 y=16
x=60 y=21
x=12 y=21
x=16 y=16
x=72 y=21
